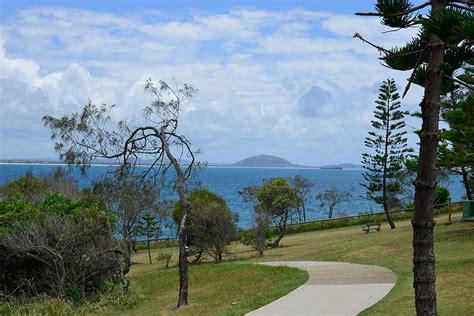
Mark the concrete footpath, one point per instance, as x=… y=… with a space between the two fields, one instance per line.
x=333 y=288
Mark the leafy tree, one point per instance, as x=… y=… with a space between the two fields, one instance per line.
x=83 y=137
x=274 y=201
x=212 y=226
x=331 y=198
x=443 y=43
x=389 y=147
x=303 y=187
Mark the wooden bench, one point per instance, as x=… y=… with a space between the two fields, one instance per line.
x=370 y=226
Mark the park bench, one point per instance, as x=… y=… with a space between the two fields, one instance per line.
x=370 y=226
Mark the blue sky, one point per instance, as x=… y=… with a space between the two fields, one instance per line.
x=277 y=77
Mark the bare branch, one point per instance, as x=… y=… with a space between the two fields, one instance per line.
x=379 y=48
x=412 y=76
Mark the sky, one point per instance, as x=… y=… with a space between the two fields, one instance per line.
x=284 y=78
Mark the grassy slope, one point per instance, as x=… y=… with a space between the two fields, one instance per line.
x=223 y=289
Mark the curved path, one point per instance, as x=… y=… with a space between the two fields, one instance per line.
x=333 y=288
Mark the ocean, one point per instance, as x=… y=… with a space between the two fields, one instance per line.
x=227 y=182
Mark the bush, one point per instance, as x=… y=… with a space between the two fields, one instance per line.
x=51 y=244
x=212 y=226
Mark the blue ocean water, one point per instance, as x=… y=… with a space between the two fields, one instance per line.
x=229 y=181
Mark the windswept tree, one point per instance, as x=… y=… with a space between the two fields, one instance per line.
x=89 y=135
x=275 y=200
x=388 y=146
x=331 y=198
x=443 y=44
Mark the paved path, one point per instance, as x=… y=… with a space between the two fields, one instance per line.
x=333 y=288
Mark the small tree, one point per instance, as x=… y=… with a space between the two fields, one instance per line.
x=130 y=199
x=388 y=145
x=212 y=225
x=303 y=187
x=331 y=198
x=149 y=228
x=274 y=200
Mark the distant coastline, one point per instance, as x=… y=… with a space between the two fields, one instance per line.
x=255 y=162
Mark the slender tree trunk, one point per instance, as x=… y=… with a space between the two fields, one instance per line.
x=465 y=181
x=304 y=213
x=148 y=246
x=424 y=274
x=183 y=226
x=384 y=176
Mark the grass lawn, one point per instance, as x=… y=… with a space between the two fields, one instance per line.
x=223 y=289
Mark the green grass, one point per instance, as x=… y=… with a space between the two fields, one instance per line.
x=214 y=289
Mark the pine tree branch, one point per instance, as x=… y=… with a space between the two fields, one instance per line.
x=412 y=76
x=460 y=82
x=421 y=6
x=461 y=7
x=379 y=48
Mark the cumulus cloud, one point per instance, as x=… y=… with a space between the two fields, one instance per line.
x=286 y=83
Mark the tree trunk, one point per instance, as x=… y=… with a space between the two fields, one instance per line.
x=148 y=246
x=183 y=226
x=282 y=229
x=276 y=242
x=384 y=175
x=465 y=181
x=424 y=274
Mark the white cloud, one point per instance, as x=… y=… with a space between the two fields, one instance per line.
x=251 y=67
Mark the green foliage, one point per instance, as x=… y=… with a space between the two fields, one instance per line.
x=389 y=7
x=276 y=197
x=15 y=210
x=453 y=26
x=59 y=204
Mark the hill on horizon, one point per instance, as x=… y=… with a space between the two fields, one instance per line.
x=264 y=161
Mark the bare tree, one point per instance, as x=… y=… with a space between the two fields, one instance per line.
x=83 y=137
x=303 y=187
x=331 y=198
